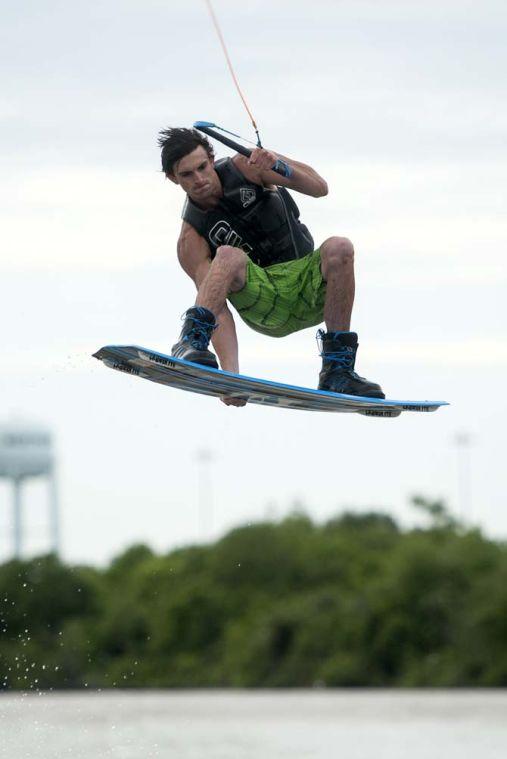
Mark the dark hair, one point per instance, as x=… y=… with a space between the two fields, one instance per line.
x=177 y=142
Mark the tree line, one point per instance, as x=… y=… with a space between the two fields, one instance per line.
x=356 y=601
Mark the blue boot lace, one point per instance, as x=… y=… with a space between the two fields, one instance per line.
x=342 y=358
x=199 y=334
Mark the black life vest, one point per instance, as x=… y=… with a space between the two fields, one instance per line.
x=264 y=223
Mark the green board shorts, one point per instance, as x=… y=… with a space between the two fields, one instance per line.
x=282 y=298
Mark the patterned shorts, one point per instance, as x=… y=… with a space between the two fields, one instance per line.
x=282 y=298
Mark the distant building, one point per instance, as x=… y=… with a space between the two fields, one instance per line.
x=26 y=451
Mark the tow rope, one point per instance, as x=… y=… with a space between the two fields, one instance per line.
x=234 y=77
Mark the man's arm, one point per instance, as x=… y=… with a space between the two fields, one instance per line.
x=225 y=341
x=195 y=258
x=303 y=178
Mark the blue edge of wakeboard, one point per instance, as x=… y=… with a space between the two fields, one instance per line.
x=185 y=375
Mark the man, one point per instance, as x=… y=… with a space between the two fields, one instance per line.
x=241 y=241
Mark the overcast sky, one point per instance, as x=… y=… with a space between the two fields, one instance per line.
x=401 y=107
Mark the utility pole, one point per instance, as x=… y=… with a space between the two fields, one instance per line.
x=17 y=517
x=204 y=458
x=462 y=441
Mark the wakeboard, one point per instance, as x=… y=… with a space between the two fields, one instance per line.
x=185 y=375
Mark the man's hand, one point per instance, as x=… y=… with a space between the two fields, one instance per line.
x=262 y=159
x=227 y=399
x=233 y=401
x=259 y=168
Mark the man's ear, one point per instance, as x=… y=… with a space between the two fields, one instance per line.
x=172 y=178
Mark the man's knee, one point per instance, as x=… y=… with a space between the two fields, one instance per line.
x=233 y=262
x=230 y=258
x=336 y=252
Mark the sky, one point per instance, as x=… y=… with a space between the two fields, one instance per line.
x=402 y=108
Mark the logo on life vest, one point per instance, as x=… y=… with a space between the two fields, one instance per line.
x=223 y=234
x=247 y=195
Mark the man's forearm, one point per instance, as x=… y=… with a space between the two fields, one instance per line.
x=302 y=179
x=225 y=341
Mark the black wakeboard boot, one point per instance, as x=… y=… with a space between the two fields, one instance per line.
x=198 y=325
x=338 y=351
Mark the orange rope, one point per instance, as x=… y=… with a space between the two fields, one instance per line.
x=224 y=48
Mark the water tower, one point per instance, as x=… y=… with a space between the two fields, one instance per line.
x=26 y=451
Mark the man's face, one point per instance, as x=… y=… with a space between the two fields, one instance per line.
x=196 y=174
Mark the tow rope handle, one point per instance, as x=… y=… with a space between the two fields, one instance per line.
x=206 y=127
x=281 y=167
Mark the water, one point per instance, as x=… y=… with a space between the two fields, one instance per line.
x=255 y=725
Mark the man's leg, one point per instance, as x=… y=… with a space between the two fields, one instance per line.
x=339 y=345
x=227 y=273
x=337 y=266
